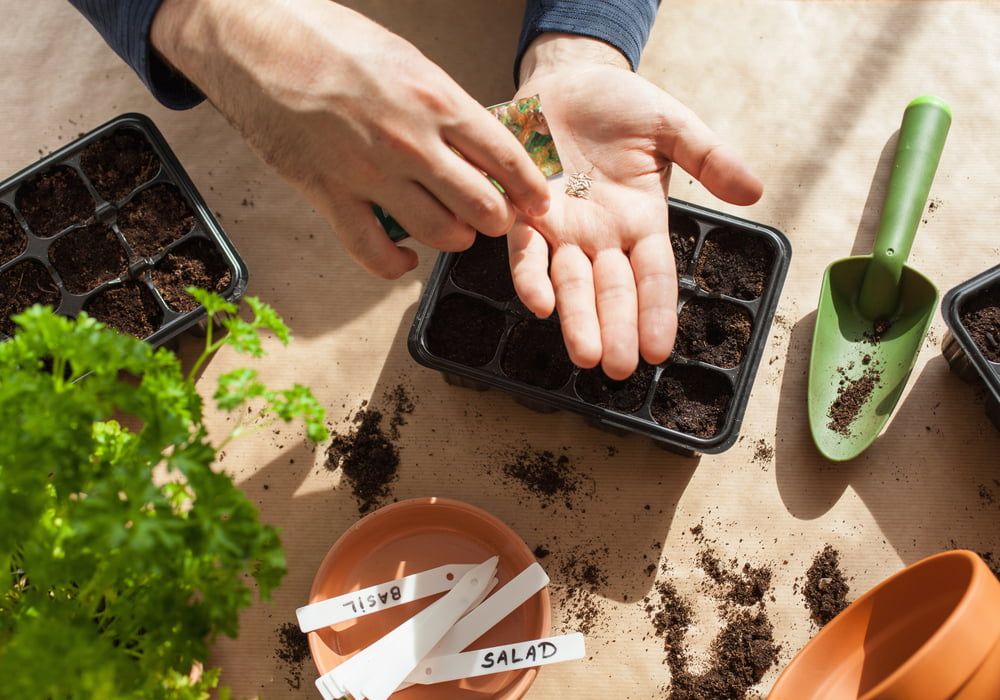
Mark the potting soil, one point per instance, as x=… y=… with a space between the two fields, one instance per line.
x=742 y=652
x=368 y=453
x=826 y=588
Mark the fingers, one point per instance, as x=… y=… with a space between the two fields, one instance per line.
x=656 y=284
x=365 y=240
x=427 y=220
x=487 y=144
x=469 y=195
x=614 y=285
x=684 y=139
x=573 y=281
x=529 y=267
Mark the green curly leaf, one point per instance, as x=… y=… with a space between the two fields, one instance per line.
x=264 y=316
x=212 y=302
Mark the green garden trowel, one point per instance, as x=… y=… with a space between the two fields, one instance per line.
x=874 y=311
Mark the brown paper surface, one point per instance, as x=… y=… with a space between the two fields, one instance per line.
x=811 y=93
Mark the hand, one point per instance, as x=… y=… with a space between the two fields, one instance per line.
x=354 y=115
x=612 y=274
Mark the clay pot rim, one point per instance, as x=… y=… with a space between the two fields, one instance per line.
x=910 y=673
x=520 y=688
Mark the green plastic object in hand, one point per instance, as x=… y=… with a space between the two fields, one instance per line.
x=874 y=311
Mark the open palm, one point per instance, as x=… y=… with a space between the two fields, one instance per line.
x=605 y=261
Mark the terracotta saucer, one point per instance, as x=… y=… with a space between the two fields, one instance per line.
x=412 y=536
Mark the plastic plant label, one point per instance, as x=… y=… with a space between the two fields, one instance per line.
x=509 y=657
x=487 y=615
x=376 y=671
x=381 y=596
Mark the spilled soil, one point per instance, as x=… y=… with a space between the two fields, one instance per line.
x=852 y=395
x=583 y=576
x=742 y=652
x=826 y=588
x=368 y=453
x=547 y=476
x=293 y=652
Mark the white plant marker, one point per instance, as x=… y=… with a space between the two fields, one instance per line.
x=376 y=671
x=485 y=617
x=509 y=657
x=381 y=596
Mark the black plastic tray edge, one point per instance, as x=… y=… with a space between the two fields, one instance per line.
x=950 y=304
x=686 y=443
x=169 y=161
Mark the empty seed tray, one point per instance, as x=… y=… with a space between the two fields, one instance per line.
x=111 y=224
x=972 y=344
x=471 y=327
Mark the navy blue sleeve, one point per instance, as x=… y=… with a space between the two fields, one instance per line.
x=125 y=25
x=624 y=24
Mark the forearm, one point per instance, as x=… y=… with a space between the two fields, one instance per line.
x=221 y=44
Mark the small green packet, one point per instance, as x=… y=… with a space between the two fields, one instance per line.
x=523 y=118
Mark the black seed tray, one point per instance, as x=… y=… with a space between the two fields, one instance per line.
x=964 y=356
x=206 y=227
x=699 y=224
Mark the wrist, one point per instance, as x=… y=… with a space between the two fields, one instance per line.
x=178 y=33
x=552 y=52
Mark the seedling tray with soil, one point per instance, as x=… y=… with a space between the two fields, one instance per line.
x=111 y=224
x=972 y=345
x=471 y=327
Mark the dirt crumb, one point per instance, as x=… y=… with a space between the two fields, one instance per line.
x=852 y=395
x=878 y=330
x=581 y=575
x=292 y=651
x=763 y=453
x=739 y=656
x=367 y=453
x=745 y=586
x=545 y=475
x=826 y=587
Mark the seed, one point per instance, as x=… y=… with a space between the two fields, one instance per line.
x=579 y=185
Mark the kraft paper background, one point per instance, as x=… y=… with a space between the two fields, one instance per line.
x=811 y=93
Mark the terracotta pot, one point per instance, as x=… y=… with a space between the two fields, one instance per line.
x=412 y=536
x=929 y=632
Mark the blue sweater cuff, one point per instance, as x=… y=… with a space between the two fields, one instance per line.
x=125 y=25
x=625 y=24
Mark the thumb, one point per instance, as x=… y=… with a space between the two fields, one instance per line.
x=685 y=139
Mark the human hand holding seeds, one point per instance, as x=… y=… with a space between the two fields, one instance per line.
x=601 y=255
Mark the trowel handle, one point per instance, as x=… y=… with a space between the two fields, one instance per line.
x=921 y=141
